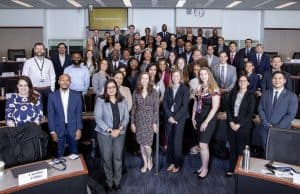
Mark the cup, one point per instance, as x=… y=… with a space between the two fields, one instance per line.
x=2 y=92
x=3 y=59
x=2 y=164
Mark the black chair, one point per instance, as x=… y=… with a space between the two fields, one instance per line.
x=283 y=145
x=271 y=54
x=296 y=55
x=12 y=53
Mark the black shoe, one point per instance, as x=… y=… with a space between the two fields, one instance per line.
x=117 y=188
x=108 y=189
x=124 y=171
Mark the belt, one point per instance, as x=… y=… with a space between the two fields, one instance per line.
x=41 y=88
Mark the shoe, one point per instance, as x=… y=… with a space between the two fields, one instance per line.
x=144 y=169
x=195 y=150
x=228 y=174
x=124 y=171
x=170 y=168
x=198 y=171
x=175 y=170
x=108 y=189
x=117 y=188
x=202 y=177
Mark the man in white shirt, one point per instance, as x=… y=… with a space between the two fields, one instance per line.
x=41 y=72
x=211 y=58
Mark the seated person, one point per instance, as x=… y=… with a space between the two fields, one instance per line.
x=24 y=106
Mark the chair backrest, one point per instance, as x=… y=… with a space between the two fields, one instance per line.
x=271 y=54
x=12 y=53
x=283 y=145
x=296 y=55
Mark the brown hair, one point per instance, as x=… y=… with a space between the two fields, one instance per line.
x=32 y=97
x=212 y=84
x=139 y=86
x=105 y=96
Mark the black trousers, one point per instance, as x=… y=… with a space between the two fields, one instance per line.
x=44 y=98
x=174 y=141
x=237 y=141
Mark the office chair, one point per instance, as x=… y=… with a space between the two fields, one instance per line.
x=296 y=55
x=11 y=53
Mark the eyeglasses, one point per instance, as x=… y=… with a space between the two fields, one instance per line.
x=111 y=87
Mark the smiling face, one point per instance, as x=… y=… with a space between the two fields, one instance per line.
x=152 y=71
x=243 y=83
x=204 y=76
x=119 y=78
x=145 y=80
x=276 y=63
x=39 y=50
x=64 y=81
x=23 y=88
x=278 y=81
x=176 y=77
x=111 y=89
x=103 y=65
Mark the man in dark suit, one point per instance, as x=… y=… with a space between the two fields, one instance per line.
x=225 y=76
x=180 y=46
x=221 y=47
x=277 y=107
x=164 y=33
x=114 y=61
x=200 y=34
x=147 y=36
x=266 y=82
x=187 y=54
x=213 y=40
x=234 y=58
x=65 y=116
x=117 y=37
x=60 y=60
x=260 y=60
x=96 y=38
x=247 y=51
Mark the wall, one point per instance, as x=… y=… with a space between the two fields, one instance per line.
x=21 y=17
x=282 y=19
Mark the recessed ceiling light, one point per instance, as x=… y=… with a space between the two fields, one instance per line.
x=180 y=3
x=74 y=3
x=127 y=3
x=233 y=4
x=285 y=5
x=22 y=3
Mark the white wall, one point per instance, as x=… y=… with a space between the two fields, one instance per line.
x=21 y=17
x=210 y=18
x=282 y=19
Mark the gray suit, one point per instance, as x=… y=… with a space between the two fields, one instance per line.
x=111 y=148
x=203 y=48
x=215 y=60
x=231 y=76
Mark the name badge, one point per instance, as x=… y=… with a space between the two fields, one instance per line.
x=33 y=176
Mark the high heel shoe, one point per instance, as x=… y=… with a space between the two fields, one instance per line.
x=170 y=168
x=202 y=177
x=175 y=170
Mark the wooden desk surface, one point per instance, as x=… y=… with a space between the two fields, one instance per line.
x=256 y=165
x=9 y=184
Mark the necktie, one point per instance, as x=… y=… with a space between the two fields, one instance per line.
x=164 y=35
x=247 y=51
x=115 y=65
x=231 y=58
x=275 y=99
x=258 y=59
x=222 y=76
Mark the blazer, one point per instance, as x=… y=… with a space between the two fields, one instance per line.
x=266 y=82
x=254 y=82
x=104 y=116
x=236 y=62
x=284 y=112
x=58 y=67
x=225 y=49
x=166 y=38
x=215 y=60
x=231 y=76
x=242 y=52
x=181 y=103
x=203 y=48
x=264 y=64
x=184 y=55
x=121 y=39
x=246 y=109
x=56 y=116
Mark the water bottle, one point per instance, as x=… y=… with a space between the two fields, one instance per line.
x=246 y=158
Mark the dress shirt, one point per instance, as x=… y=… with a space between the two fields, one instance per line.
x=65 y=101
x=41 y=72
x=209 y=59
x=225 y=71
x=80 y=78
x=237 y=104
x=175 y=89
x=274 y=92
x=62 y=59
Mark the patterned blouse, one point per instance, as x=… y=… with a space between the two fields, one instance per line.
x=19 y=110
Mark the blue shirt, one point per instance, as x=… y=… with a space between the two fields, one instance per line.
x=80 y=78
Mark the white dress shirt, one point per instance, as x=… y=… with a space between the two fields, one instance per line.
x=65 y=101
x=279 y=92
x=41 y=72
x=62 y=59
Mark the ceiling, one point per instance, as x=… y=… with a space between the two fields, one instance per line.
x=206 y=4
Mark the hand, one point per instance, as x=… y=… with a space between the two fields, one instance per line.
x=172 y=120
x=194 y=124
x=222 y=90
x=258 y=93
x=115 y=132
x=203 y=126
x=78 y=134
x=155 y=128
x=10 y=123
x=54 y=137
x=37 y=122
x=133 y=128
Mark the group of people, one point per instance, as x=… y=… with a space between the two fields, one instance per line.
x=154 y=83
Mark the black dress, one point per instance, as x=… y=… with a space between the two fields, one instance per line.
x=204 y=105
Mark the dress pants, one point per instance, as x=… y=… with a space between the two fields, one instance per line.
x=70 y=139
x=44 y=97
x=111 y=150
x=174 y=141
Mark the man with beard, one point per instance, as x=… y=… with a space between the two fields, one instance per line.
x=41 y=72
x=79 y=75
x=114 y=61
x=65 y=122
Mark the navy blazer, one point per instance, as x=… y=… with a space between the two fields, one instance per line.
x=254 y=82
x=266 y=83
x=58 y=67
x=246 y=109
x=56 y=115
x=264 y=65
x=181 y=102
x=284 y=112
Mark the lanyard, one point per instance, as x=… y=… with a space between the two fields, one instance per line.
x=40 y=68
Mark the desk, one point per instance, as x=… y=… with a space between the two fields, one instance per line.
x=11 y=66
x=71 y=181
x=256 y=182
x=292 y=68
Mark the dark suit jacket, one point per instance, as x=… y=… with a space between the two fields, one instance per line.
x=236 y=62
x=185 y=57
x=58 y=68
x=254 y=82
x=122 y=39
x=111 y=66
x=266 y=83
x=264 y=63
x=225 y=49
x=181 y=101
x=56 y=116
x=246 y=109
x=242 y=52
x=166 y=38
x=284 y=112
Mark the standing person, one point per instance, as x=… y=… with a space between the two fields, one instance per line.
x=144 y=117
x=277 y=106
x=100 y=77
x=125 y=91
x=239 y=117
x=253 y=78
x=65 y=116
x=204 y=118
x=133 y=73
x=158 y=84
x=111 y=116
x=260 y=60
x=41 y=72
x=90 y=62
x=24 y=106
x=164 y=73
x=176 y=111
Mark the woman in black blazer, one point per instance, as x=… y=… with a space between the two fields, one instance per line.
x=176 y=111
x=239 y=116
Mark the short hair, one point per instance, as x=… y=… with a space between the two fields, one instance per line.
x=62 y=44
x=131 y=25
x=248 y=39
x=259 y=44
x=221 y=37
x=279 y=72
x=276 y=56
x=39 y=44
x=223 y=52
x=232 y=42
